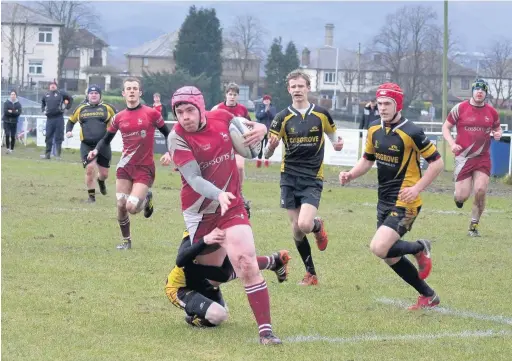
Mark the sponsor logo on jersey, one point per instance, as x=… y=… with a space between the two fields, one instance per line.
x=394 y=148
x=217 y=160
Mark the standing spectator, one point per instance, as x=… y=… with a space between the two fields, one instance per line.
x=265 y=115
x=159 y=106
x=370 y=114
x=12 y=111
x=52 y=105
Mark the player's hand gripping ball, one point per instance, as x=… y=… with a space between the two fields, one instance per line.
x=237 y=130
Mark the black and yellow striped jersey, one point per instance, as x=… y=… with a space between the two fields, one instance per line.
x=93 y=119
x=303 y=138
x=397 y=150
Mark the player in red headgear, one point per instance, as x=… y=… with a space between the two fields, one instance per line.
x=396 y=144
x=201 y=148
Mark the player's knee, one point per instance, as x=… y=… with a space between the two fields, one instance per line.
x=304 y=226
x=247 y=267
x=480 y=191
x=89 y=170
x=216 y=314
x=379 y=250
x=121 y=201
x=103 y=174
x=133 y=204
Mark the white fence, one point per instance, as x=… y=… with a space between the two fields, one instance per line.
x=352 y=150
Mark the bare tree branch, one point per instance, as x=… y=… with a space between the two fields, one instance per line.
x=74 y=15
x=246 y=42
x=498 y=66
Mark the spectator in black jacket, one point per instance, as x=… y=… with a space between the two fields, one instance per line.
x=12 y=111
x=370 y=114
x=265 y=115
x=52 y=105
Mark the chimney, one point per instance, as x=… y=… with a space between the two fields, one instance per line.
x=329 y=30
x=305 y=57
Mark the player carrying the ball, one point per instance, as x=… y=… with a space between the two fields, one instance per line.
x=396 y=144
x=301 y=126
x=202 y=149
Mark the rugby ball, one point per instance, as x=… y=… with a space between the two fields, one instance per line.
x=237 y=129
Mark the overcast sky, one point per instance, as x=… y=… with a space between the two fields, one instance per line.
x=475 y=23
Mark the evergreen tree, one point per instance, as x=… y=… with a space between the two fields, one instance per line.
x=274 y=74
x=291 y=58
x=198 y=50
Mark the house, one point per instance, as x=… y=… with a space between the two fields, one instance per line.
x=157 y=55
x=359 y=75
x=87 y=64
x=30 y=47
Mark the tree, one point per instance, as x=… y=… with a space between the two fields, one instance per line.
x=291 y=58
x=167 y=83
x=274 y=74
x=73 y=15
x=246 y=42
x=15 y=34
x=199 y=48
x=498 y=67
x=404 y=44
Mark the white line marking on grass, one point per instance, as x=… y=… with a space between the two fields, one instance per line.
x=381 y=338
x=448 y=311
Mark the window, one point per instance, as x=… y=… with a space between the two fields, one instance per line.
x=35 y=67
x=45 y=35
x=145 y=61
x=464 y=83
x=329 y=77
x=449 y=83
x=75 y=53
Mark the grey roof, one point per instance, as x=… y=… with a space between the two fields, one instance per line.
x=14 y=13
x=164 y=45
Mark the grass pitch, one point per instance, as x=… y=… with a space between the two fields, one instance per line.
x=68 y=294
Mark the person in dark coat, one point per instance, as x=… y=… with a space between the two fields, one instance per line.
x=265 y=115
x=370 y=114
x=52 y=105
x=12 y=111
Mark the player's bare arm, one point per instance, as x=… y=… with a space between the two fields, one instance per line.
x=105 y=141
x=409 y=194
x=337 y=141
x=361 y=168
x=447 y=134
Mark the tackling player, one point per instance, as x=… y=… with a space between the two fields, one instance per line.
x=475 y=121
x=396 y=144
x=136 y=169
x=187 y=286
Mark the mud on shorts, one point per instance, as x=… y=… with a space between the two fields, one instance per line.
x=144 y=174
x=199 y=225
x=465 y=167
x=297 y=190
x=103 y=159
x=399 y=219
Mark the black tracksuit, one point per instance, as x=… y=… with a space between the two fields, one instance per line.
x=52 y=105
x=10 y=120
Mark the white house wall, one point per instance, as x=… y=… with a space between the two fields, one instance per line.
x=45 y=52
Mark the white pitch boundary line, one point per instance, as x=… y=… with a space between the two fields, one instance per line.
x=380 y=338
x=447 y=311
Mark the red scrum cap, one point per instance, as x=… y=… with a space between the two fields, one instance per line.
x=392 y=92
x=189 y=94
